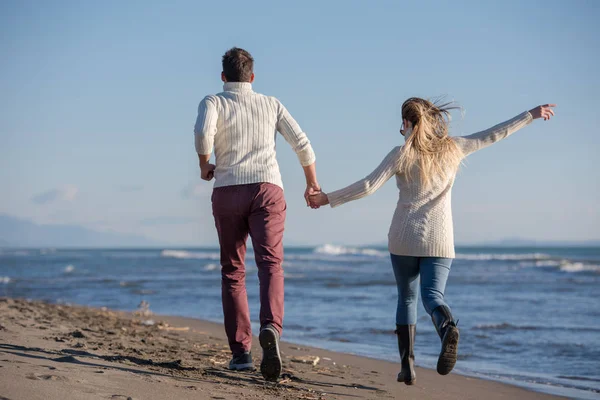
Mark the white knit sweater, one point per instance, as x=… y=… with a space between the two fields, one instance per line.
x=422 y=223
x=242 y=126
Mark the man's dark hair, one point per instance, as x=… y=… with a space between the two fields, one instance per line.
x=238 y=65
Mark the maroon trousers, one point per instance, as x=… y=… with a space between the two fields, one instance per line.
x=257 y=210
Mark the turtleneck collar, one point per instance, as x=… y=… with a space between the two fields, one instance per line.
x=239 y=87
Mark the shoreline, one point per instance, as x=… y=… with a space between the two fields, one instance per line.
x=70 y=352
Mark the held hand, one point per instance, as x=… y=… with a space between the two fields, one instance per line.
x=311 y=189
x=318 y=200
x=544 y=111
x=207 y=171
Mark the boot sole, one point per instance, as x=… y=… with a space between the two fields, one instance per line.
x=449 y=352
x=270 y=367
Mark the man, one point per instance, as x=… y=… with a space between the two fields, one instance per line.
x=248 y=199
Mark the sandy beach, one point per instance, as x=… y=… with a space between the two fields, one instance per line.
x=68 y=352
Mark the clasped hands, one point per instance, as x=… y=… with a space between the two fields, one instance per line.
x=314 y=197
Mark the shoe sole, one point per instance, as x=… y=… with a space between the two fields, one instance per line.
x=270 y=367
x=449 y=352
x=241 y=367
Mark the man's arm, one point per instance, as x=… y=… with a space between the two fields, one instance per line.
x=204 y=134
x=312 y=186
x=291 y=132
x=207 y=170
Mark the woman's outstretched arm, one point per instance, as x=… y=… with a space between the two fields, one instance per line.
x=364 y=187
x=477 y=141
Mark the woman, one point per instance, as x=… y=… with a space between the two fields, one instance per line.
x=421 y=239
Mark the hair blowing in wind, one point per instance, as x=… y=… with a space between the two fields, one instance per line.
x=429 y=149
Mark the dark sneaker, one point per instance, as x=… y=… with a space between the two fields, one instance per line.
x=270 y=367
x=241 y=362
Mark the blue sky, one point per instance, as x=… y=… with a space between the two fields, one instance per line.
x=98 y=102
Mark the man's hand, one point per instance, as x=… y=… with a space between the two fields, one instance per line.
x=207 y=171
x=319 y=199
x=311 y=189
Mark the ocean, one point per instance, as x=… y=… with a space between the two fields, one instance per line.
x=528 y=316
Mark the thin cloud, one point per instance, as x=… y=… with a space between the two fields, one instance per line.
x=63 y=193
x=195 y=190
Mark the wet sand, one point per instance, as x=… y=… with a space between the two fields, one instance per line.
x=60 y=352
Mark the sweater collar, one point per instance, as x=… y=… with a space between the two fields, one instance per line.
x=239 y=87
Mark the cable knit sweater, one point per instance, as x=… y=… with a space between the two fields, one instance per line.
x=242 y=126
x=422 y=223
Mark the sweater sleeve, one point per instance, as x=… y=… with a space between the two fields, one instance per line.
x=477 y=141
x=206 y=126
x=290 y=130
x=369 y=184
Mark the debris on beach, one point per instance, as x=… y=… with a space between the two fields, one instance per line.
x=166 y=327
x=314 y=360
x=143 y=309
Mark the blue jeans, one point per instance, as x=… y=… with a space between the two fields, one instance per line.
x=434 y=273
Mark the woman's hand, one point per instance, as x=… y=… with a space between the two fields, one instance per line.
x=544 y=111
x=318 y=200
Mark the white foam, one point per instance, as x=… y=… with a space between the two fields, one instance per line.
x=541 y=263
x=579 y=267
x=5 y=280
x=499 y=256
x=334 y=250
x=69 y=268
x=183 y=254
x=210 y=267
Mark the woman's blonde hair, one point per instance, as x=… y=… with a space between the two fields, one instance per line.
x=429 y=147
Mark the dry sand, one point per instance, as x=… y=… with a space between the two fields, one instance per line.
x=56 y=352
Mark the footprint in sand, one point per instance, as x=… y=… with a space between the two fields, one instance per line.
x=36 y=377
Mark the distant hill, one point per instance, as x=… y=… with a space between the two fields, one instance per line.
x=17 y=232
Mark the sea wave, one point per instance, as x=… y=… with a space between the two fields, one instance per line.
x=579 y=267
x=562 y=264
x=334 y=250
x=5 y=280
x=504 y=257
x=529 y=260
x=183 y=254
x=507 y=326
x=210 y=267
